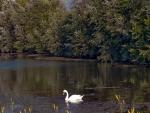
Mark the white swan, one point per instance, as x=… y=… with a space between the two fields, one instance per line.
x=73 y=98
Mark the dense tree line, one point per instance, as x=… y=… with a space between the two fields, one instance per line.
x=108 y=30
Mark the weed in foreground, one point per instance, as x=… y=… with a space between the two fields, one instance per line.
x=122 y=105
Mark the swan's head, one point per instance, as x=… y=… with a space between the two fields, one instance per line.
x=64 y=91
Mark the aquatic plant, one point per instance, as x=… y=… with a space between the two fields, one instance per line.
x=67 y=111
x=12 y=105
x=58 y=109
x=2 y=109
x=30 y=109
x=122 y=105
x=132 y=110
x=55 y=108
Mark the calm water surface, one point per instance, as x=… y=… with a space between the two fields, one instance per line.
x=39 y=84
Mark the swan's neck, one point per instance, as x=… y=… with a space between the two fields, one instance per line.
x=67 y=96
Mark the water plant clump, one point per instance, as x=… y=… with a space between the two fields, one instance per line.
x=123 y=106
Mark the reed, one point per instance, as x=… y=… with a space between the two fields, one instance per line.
x=2 y=109
x=122 y=105
x=58 y=109
x=55 y=108
x=12 y=105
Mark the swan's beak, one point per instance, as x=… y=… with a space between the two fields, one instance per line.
x=63 y=93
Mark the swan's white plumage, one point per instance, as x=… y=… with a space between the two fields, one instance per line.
x=73 y=98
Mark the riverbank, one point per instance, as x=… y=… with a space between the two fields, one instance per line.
x=44 y=56
x=41 y=57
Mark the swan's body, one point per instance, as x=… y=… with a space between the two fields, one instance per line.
x=73 y=98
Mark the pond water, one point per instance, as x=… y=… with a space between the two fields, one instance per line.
x=39 y=84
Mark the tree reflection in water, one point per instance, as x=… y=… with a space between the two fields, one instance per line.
x=29 y=77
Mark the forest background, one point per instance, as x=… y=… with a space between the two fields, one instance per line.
x=106 y=30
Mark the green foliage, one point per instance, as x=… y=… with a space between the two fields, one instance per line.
x=111 y=31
